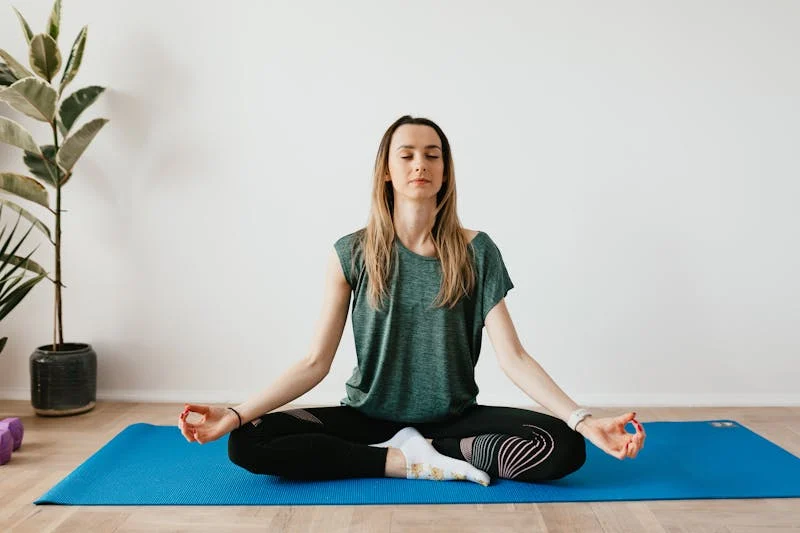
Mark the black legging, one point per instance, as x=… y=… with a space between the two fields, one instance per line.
x=332 y=443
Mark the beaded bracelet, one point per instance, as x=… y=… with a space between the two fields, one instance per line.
x=237 y=415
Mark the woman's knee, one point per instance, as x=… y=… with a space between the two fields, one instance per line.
x=246 y=449
x=571 y=458
x=240 y=448
x=568 y=454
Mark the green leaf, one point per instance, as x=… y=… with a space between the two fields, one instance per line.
x=3 y=343
x=61 y=127
x=6 y=76
x=10 y=297
x=32 y=96
x=72 y=107
x=45 y=58
x=15 y=134
x=24 y=187
x=40 y=166
x=24 y=263
x=25 y=28
x=8 y=282
x=76 y=143
x=38 y=224
x=74 y=61
x=13 y=299
x=4 y=244
x=15 y=66
x=54 y=23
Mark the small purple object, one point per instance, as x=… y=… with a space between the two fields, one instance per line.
x=14 y=425
x=6 y=443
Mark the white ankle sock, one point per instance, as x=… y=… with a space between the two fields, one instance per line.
x=424 y=462
x=399 y=438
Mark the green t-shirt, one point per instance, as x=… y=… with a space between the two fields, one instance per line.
x=416 y=363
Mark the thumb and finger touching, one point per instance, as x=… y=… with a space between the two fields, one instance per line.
x=188 y=429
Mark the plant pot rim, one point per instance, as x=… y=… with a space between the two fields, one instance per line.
x=69 y=347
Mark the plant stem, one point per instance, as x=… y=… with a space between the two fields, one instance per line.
x=59 y=339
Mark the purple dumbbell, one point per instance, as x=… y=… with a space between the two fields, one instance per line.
x=14 y=426
x=6 y=444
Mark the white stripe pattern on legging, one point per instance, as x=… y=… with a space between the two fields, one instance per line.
x=302 y=414
x=483 y=448
x=515 y=455
x=518 y=455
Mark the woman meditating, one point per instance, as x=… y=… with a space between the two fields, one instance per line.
x=422 y=288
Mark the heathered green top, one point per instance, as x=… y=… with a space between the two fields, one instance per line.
x=416 y=363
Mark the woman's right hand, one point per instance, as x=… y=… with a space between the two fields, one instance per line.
x=215 y=422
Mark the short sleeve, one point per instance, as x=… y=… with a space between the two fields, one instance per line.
x=496 y=281
x=343 y=250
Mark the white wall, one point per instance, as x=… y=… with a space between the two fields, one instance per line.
x=636 y=162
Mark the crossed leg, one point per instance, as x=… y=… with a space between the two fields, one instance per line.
x=510 y=443
x=334 y=442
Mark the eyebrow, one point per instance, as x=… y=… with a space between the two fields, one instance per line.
x=410 y=146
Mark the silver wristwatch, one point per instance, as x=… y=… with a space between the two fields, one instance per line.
x=576 y=416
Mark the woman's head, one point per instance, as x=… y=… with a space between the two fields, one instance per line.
x=412 y=148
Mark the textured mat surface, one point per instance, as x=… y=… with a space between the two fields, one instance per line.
x=153 y=465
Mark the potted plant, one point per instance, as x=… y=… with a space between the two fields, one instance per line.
x=15 y=271
x=63 y=375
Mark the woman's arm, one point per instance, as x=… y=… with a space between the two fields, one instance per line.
x=297 y=380
x=522 y=369
x=534 y=381
x=307 y=373
x=606 y=433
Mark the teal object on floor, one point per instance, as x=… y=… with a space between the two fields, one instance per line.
x=154 y=465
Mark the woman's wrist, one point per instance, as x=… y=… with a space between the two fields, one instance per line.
x=576 y=417
x=584 y=425
x=234 y=414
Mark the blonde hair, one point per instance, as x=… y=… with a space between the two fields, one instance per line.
x=375 y=242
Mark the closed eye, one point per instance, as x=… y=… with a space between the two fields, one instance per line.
x=429 y=157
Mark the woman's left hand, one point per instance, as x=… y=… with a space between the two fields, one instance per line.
x=609 y=435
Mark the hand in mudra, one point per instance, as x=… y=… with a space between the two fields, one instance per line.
x=215 y=422
x=609 y=435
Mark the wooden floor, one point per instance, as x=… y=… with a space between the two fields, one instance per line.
x=53 y=447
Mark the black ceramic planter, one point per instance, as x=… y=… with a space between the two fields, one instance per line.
x=63 y=382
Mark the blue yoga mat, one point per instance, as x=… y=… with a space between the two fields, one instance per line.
x=154 y=465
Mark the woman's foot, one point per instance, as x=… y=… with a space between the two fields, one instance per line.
x=418 y=459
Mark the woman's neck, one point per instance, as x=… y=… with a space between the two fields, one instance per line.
x=413 y=224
